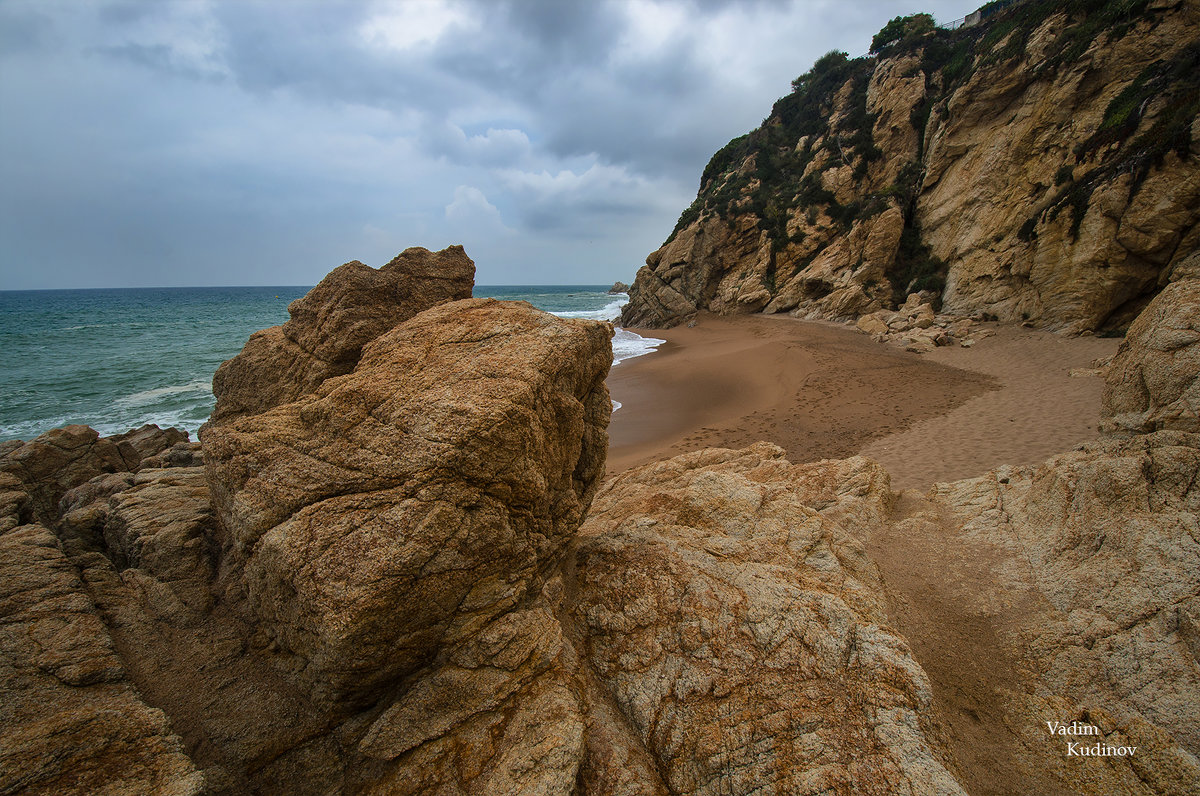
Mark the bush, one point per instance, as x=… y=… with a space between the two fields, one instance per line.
x=902 y=29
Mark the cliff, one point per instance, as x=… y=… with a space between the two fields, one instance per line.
x=1040 y=166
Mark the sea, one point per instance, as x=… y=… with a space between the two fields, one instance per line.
x=115 y=359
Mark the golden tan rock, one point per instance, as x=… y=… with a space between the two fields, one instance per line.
x=72 y=723
x=444 y=474
x=1154 y=380
x=328 y=327
x=991 y=166
x=59 y=460
x=1080 y=573
x=1026 y=178
x=742 y=632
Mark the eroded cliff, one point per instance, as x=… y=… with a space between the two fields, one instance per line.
x=1040 y=166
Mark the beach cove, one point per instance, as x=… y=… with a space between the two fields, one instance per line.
x=821 y=390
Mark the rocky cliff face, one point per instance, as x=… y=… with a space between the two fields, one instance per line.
x=1039 y=167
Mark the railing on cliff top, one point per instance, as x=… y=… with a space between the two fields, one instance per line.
x=974 y=18
x=979 y=14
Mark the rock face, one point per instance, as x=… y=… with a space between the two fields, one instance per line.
x=1154 y=380
x=351 y=590
x=1038 y=188
x=446 y=472
x=1039 y=167
x=1083 y=572
x=743 y=632
x=329 y=326
x=73 y=721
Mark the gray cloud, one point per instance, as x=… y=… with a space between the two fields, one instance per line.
x=263 y=141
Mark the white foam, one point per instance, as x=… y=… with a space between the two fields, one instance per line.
x=149 y=396
x=627 y=345
x=610 y=311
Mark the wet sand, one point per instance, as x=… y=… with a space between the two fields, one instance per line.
x=822 y=390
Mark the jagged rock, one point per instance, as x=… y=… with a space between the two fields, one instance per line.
x=445 y=473
x=500 y=715
x=991 y=163
x=742 y=632
x=1153 y=381
x=62 y=459
x=329 y=326
x=1020 y=179
x=181 y=454
x=618 y=287
x=73 y=724
x=150 y=440
x=1101 y=548
x=872 y=325
x=48 y=467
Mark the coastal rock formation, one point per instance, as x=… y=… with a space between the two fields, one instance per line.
x=1154 y=380
x=72 y=722
x=461 y=452
x=64 y=458
x=1060 y=592
x=329 y=326
x=742 y=632
x=406 y=578
x=1042 y=166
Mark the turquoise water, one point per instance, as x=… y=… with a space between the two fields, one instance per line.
x=114 y=359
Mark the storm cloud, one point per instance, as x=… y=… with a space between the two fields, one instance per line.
x=222 y=142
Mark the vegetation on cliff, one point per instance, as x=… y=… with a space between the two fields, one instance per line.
x=860 y=185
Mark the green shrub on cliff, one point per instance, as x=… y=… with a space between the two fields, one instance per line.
x=899 y=29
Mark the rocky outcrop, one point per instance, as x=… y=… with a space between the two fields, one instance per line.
x=618 y=287
x=381 y=585
x=915 y=327
x=1039 y=167
x=64 y=458
x=351 y=590
x=329 y=326
x=1052 y=188
x=1082 y=574
x=461 y=453
x=73 y=723
x=743 y=633
x=1154 y=380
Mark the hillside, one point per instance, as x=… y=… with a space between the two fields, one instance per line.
x=1039 y=165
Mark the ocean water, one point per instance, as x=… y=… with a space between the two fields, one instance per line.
x=114 y=359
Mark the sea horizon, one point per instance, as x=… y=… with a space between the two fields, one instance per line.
x=118 y=358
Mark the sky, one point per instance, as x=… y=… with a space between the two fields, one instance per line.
x=265 y=142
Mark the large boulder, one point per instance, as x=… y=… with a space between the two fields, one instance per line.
x=743 y=633
x=385 y=518
x=1154 y=380
x=329 y=326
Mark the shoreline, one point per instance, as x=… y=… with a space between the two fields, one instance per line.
x=822 y=390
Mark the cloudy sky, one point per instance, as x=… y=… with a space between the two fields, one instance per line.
x=242 y=142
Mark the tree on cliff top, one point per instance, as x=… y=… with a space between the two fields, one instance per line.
x=900 y=28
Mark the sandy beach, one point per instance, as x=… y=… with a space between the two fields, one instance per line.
x=823 y=390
